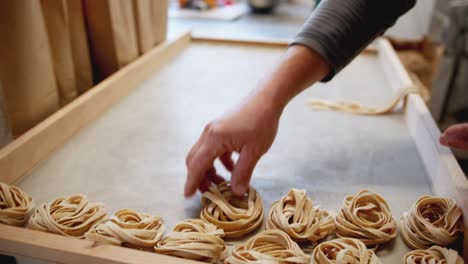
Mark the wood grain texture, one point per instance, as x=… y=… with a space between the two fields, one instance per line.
x=20 y=156
x=60 y=249
x=446 y=176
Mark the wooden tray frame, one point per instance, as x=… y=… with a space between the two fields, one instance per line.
x=22 y=155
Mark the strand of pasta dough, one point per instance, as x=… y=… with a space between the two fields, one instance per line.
x=237 y=216
x=366 y=216
x=431 y=221
x=129 y=228
x=15 y=205
x=296 y=215
x=194 y=239
x=357 y=108
x=72 y=216
x=270 y=246
x=433 y=255
x=344 y=250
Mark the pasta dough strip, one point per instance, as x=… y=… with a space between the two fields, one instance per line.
x=129 y=228
x=270 y=246
x=431 y=221
x=15 y=205
x=344 y=250
x=194 y=239
x=357 y=108
x=72 y=216
x=366 y=216
x=296 y=215
x=237 y=216
x=433 y=255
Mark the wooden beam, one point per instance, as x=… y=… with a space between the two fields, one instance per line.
x=446 y=176
x=282 y=43
x=245 y=41
x=60 y=249
x=21 y=155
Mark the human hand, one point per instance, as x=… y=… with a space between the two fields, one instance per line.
x=456 y=136
x=251 y=127
x=248 y=130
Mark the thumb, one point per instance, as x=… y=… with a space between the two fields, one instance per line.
x=243 y=171
x=456 y=136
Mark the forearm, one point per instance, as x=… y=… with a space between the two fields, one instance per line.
x=250 y=129
x=339 y=29
x=333 y=35
x=299 y=68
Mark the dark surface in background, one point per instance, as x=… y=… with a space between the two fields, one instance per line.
x=284 y=23
x=7 y=260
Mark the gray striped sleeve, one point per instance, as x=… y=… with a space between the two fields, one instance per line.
x=339 y=29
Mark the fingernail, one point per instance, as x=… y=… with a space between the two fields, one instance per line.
x=446 y=140
x=443 y=140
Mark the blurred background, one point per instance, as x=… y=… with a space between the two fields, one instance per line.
x=430 y=40
x=53 y=51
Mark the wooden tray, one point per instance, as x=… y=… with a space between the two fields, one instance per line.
x=126 y=147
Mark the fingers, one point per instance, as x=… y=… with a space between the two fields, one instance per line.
x=198 y=166
x=211 y=177
x=204 y=185
x=456 y=136
x=243 y=171
x=227 y=161
x=194 y=149
x=215 y=178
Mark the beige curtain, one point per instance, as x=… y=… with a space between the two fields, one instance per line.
x=112 y=33
x=5 y=135
x=56 y=19
x=144 y=25
x=69 y=46
x=51 y=51
x=26 y=69
x=159 y=13
x=79 y=46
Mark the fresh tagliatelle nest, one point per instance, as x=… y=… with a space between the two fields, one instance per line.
x=237 y=216
x=366 y=216
x=433 y=255
x=194 y=239
x=72 y=216
x=296 y=215
x=431 y=221
x=15 y=205
x=344 y=250
x=129 y=228
x=270 y=246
